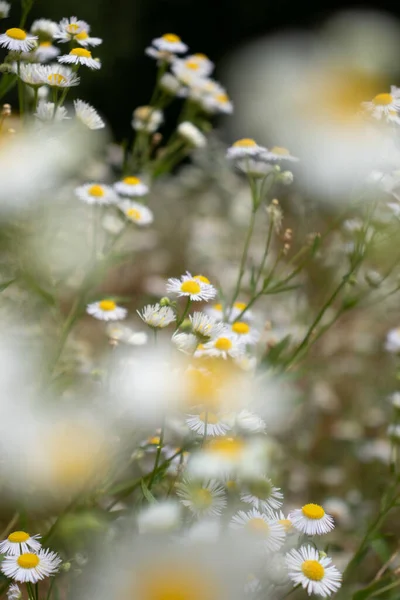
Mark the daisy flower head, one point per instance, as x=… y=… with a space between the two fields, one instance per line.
x=157 y=316
x=45 y=112
x=59 y=76
x=45 y=29
x=246 y=420
x=383 y=105
x=278 y=153
x=311 y=519
x=207 y=499
x=18 y=40
x=284 y=521
x=224 y=345
x=315 y=574
x=237 y=310
x=131 y=186
x=29 y=567
x=260 y=526
x=147 y=118
x=192 y=134
x=392 y=343
x=196 y=288
x=262 y=494
x=32 y=74
x=185 y=342
x=4 y=9
x=84 y=39
x=137 y=213
x=244 y=148
x=207 y=423
x=170 y=84
x=246 y=333
x=19 y=542
x=205 y=326
x=218 y=103
x=46 y=52
x=96 y=193
x=68 y=29
x=106 y=310
x=87 y=115
x=14 y=592
x=187 y=71
x=80 y=56
x=171 y=43
x=256 y=167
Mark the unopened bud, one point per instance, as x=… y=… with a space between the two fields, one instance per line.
x=286 y=178
x=165 y=301
x=275 y=202
x=286 y=249
x=65 y=567
x=6 y=110
x=287 y=236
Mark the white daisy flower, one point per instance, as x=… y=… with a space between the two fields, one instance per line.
x=169 y=42
x=169 y=83
x=192 y=134
x=256 y=167
x=282 y=520
x=157 y=316
x=206 y=65
x=29 y=567
x=262 y=494
x=312 y=520
x=189 y=70
x=223 y=346
x=159 y=55
x=32 y=74
x=204 y=325
x=245 y=148
x=19 y=542
x=80 y=56
x=218 y=103
x=88 y=115
x=131 y=186
x=160 y=517
x=68 y=29
x=207 y=421
x=196 y=288
x=45 y=112
x=315 y=574
x=278 y=153
x=137 y=213
x=46 y=52
x=45 y=29
x=18 y=40
x=392 y=343
x=185 y=342
x=246 y=334
x=106 y=310
x=96 y=193
x=84 y=39
x=270 y=533
x=126 y=335
x=249 y=421
x=384 y=105
x=207 y=499
x=147 y=118
x=4 y=9
x=59 y=76
x=14 y=592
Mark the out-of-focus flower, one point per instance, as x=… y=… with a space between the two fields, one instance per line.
x=244 y=148
x=147 y=118
x=80 y=56
x=137 y=213
x=4 y=9
x=185 y=342
x=157 y=316
x=29 y=567
x=224 y=345
x=392 y=343
x=265 y=530
x=315 y=574
x=207 y=499
x=131 y=186
x=46 y=112
x=278 y=153
x=311 y=519
x=159 y=517
x=106 y=310
x=59 y=76
x=87 y=115
x=169 y=83
x=14 y=592
x=45 y=52
x=209 y=423
x=262 y=494
x=170 y=42
x=96 y=193
x=122 y=333
x=20 y=542
x=192 y=134
x=385 y=105
x=45 y=29
x=205 y=326
x=68 y=29
x=18 y=40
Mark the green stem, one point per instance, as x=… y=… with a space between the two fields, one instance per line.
x=264 y=258
x=184 y=314
x=244 y=256
x=50 y=588
x=20 y=90
x=158 y=456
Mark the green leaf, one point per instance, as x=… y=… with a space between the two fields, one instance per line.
x=147 y=493
x=374 y=590
x=5 y=284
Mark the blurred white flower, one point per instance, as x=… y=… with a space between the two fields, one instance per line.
x=159 y=517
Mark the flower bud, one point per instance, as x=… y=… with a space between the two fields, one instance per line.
x=286 y=178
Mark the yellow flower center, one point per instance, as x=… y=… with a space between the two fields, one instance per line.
x=107 y=305
x=96 y=190
x=202 y=498
x=227 y=447
x=171 y=37
x=286 y=524
x=192 y=64
x=18 y=537
x=155 y=440
x=200 y=56
x=281 y=151
x=81 y=52
x=56 y=79
x=217 y=307
x=240 y=305
x=28 y=560
x=313 y=511
x=45 y=44
x=383 y=99
x=131 y=180
x=133 y=213
x=190 y=287
x=169 y=581
x=258 y=525
x=82 y=36
x=241 y=328
x=16 y=34
x=245 y=143
x=223 y=343
x=72 y=28
x=223 y=98
x=210 y=417
x=202 y=278
x=313 y=570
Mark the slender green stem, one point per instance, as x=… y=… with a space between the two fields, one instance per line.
x=9 y=526
x=20 y=90
x=158 y=456
x=244 y=256
x=184 y=314
x=50 y=588
x=265 y=255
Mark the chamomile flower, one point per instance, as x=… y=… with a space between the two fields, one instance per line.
x=19 y=542
x=262 y=494
x=206 y=65
x=96 y=193
x=58 y=76
x=157 y=316
x=170 y=84
x=315 y=574
x=280 y=518
x=160 y=55
x=88 y=115
x=207 y=422
x=384 y=104
x=244 y=148
x=207 y=499
x=223 y=346
x=185 y=342
x=170 y=42
x=192 y=134
x=246 y=333
x=187 y=71
x=106 y=310
x=46 y=52
x=137 y=213
x=131 y=186
x=32 y=74
x=147 y=118
x=4 y=9
x=14 y=592
x=246 y=420
x=45 y=112
x=18 y=40
x=29 y=567
x=278 y=153
x=311 y=519
x=68 y=29
x=262 y=527
x=193 y=287
x=205 y=326
x=45 y=29
x=218 y=103
x=80 y=56
x=84 y=39
x=256 y=167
